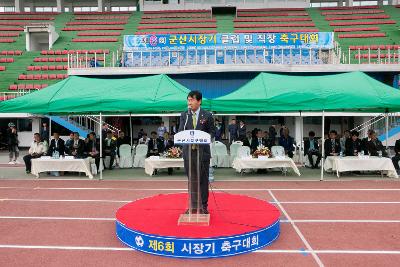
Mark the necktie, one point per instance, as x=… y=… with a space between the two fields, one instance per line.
x=259 y=142
x=194 y=120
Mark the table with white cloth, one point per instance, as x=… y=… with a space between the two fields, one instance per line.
x=151 y=164
x=62 y=164
x=354 y=163
x=243 y=163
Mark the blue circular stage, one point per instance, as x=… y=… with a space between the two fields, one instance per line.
x=238 y=224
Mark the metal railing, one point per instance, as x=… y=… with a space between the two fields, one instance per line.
x=90 y=123
x=378 y=124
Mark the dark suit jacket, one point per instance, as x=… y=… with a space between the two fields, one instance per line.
x=60 y=147
x=286 y=143
x=255 y=144
x=307 y=145
x=397 y=147
x=112 y=147
x=247 y=142
x=329 y=148
x=160 y=145
x=205 y=123
x=351 y=145
x=374 y=146
x=80 y=149
x=89 y=148
x=168 y=145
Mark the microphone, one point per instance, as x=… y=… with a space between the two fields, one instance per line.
x=187 y=116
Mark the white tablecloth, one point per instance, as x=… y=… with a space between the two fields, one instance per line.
x=71 y=165
x=253 y=163
x=150 y=164
x=346 y=164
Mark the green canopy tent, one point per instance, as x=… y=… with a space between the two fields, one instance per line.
x=354 y=91
x=152 y=94
x=277 y=93
x=80 y=95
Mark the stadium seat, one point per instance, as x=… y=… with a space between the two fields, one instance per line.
x=362 y=35
x=2 y=68
x=13 y=87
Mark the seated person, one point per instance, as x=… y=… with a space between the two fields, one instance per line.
x=155 y=145
x=396 y=157
x=56 y=144
x=122 y=140
x=78 y=147
x=69 y=143
x=168 y=141
x=311 y=148
x=374 y=145
x=258 y=141
x=248 y=140
x=36 y=150
x=92 y=150
x=332 y=145
x=268 y=140
x=286 y=141
x=109 y=148
x=144 y=140
x=353 y=144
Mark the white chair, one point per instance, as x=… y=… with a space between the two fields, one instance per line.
x=140 y=156
x=221 y=154
x=125 y=156
x=234 y=148
x=278 y=151
x=244 y=151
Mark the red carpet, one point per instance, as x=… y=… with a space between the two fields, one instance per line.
x=230 y=215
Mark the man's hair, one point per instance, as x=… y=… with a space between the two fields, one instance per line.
x=333 y=131
x=196 y=95
x=153 y=132
x=370 y=131
x=55 y=132
x=145 y=134
x=311 y=133
x=93 y=133
x=38 y=134
x=76 y=133
x=355 y=133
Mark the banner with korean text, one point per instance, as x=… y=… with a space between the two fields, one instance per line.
x=165 y=42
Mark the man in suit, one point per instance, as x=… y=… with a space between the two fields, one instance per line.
x=198 y=119
x=286 y=141
x=109 y=149
x=78 y=147
x=332 y=145
x=311 y=148
x=353 y=144
x=93 y=149
x=248 y=140
x=233 y=131
x=242 y=131
x=396 y=157
x=155 y=145
x=374 y=145
x=258 y=141
x=56 y=144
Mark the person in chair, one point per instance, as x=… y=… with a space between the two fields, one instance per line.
x=93 y=149
x=311 y=148
x=109 y=148
x=155 y=145
x=374 y=145
x=56 y=144
x=332 y=145
x=78 y=147
x=353 y=144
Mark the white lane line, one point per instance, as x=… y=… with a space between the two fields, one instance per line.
x=216 y=189
x=308 y=246
x=56 y=218
x=257 y=251
x=113 y=219
x=127 y=201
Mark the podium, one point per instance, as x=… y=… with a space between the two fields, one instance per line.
x=191 y=141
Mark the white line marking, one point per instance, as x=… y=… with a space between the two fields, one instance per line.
x=308 y=246
x=113 y=219
x=257 y=251
x=57 y=218
x=215 y=189
x=127 y=201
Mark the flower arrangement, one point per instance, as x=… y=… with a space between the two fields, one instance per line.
x=174 y=153
x=262 y=151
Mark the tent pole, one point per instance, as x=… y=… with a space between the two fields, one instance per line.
x=387 y=129
x=323 y=146
x=301 y=154
x=130 y=129
x=101 y=149
x=50 y=130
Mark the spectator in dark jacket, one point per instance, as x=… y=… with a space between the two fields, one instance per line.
x=13 y=149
